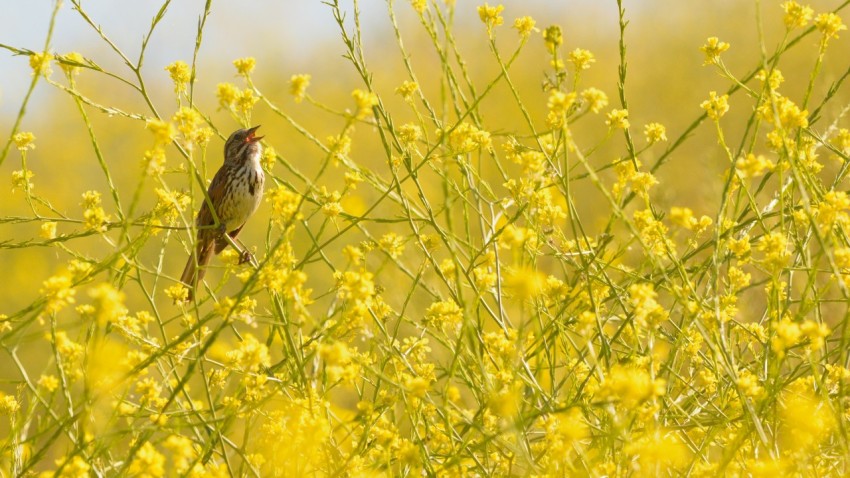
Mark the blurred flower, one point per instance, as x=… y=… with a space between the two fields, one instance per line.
x=180 y=74
x=553 y=37
x=655 y=132
x=93 y=213
x=796 y=15
x=147 y=462
x=245 y=102
x=40 y=63
x=187 y=120
x=524 y=26
x=715 y=106
x=409 y=134
x=298 y=86
x=48 y=230
x=419 y=5
x=226 y=94
x=582 y=59
x=58 y=291
x=466 y=137
x=596 y=99
x=68 y=68
x=713 y=48
x=364 y=100
x=444 y=315
x=21 y=180
x=392 y=244
x=163 y=131
x=8 y=404
x=491 y=16
x=829 y=24
x=24 y=141
x=406 y=90
x=244 y=66
x=773 y=80
x=618 y=119
x=178 y=293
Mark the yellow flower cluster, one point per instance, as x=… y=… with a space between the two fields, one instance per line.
x=298 y=86
x=466 y=138
x=491 y=16
x=618 y=119
x=713 y=48
x=95 y=218
x=524 y=26
x=796 y=15
x=715 y=106
x=181 y=75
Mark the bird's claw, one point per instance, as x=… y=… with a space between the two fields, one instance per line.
x=245 y=257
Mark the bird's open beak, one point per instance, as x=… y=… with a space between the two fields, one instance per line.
x=251 y=138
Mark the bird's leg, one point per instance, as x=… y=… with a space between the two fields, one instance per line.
x=245 y=257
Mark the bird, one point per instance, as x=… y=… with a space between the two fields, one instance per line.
x=234 y=194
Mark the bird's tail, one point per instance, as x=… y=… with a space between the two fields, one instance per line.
x=195 y=268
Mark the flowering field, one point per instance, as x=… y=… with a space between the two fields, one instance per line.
x=479 y=261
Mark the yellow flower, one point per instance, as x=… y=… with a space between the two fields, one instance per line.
x=251 y=354
x=48 y=230
x=553 y=37
x=407 y=89
x=163 y=131
x=108 y=303
x=715 y=106
x=8 y=404
x=244 y=66
x=147 y=463
x=226 y=94
x=392 y=243
x=596 y=99
x=491 y=16
x=40 y=63
x=796 y=15
x=93 y=213
x=806 y=421
x=524 y=26
x=582 y=59
x=419 y=5
x=560 y=105
x=445 y=315
x=713 y=48
x=58 y=290
x=773 y=79
x=187 y=120
x=829 y=24
x=21 y=180
x=618 y=119
x=180 y=74
x=339 y=146
x=409 y=134
x=178 y=293
x=69 y=58
x=48 y=382
x=364 y=100
x=630 y=385
x=245 y=101
x=655 y=132
x=752 y=166
x=466 y=137
x=24 y=141
x=298 y=86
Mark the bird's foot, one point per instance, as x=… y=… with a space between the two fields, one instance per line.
x=245 y=257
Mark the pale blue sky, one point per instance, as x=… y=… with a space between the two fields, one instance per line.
x=284 y=30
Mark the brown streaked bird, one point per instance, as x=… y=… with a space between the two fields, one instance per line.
x=235 y=193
